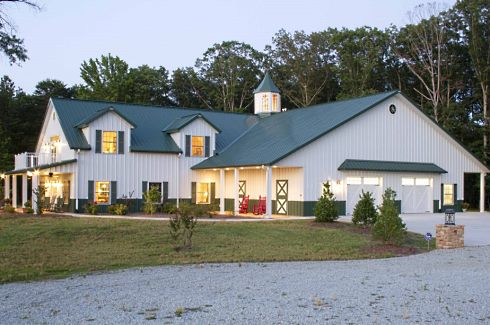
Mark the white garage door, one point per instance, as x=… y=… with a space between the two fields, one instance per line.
x=416 y=195
x=355 y=186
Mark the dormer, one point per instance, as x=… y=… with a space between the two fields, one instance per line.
x=267 y=97
x=194 y=134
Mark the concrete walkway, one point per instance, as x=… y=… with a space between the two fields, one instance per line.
x=476 y=231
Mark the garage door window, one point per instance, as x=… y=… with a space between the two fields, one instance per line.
x=409 y=181
x=354 y=180
x=448 y=190
x=371 y=181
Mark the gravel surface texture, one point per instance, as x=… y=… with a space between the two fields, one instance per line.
x=441 y=287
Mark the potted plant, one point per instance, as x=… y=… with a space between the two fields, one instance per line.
x=465 y=206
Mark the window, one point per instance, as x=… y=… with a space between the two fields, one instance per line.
x=109 y=142
x=354 y=180
x=265 y=103
x=448 y=194
x=197 y=146
x=102 y=192
x=202 y=193
x=422 y=182
x=408 y=181
x=158 y=186
x=371 y=180
x=274 y=103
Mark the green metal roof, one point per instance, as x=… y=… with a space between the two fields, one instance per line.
x=391 y=166
x=267 y=85
x=147 y=135
x=181 y=122
x=41 y=167
x=86 y=121
x=281 y=134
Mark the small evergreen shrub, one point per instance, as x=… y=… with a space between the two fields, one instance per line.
x=182 y=224
x=118 y=209
x=91 y=208
x=325 y=210
x=151 y=199
x=9 y=209
x=169 y=208
x=389 y=227
x=364 y=212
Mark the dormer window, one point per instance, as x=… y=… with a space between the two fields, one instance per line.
x=109 y=142
x=197 y=146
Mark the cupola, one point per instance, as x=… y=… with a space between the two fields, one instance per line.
x=267 y=98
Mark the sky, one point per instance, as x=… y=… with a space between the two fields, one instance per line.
x=172 y=34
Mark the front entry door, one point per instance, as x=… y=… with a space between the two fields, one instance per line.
x=282 y=197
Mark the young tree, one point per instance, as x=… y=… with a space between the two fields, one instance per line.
x=364 y=211
x=325 y=210
x=389 y=227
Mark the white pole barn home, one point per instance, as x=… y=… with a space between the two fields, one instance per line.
x=97 y=151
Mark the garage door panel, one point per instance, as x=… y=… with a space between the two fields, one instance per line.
x=416 y=198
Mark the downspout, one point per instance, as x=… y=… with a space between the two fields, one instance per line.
x=178 y=178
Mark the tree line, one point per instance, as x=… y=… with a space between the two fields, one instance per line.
x=441 y=60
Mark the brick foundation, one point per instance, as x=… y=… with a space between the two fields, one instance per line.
x=448 y=236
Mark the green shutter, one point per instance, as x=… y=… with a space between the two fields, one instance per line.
x=90 y=191
x=120 y=140
x=207 y=141
x=442 y=195
x=212 y=192
x=455 y=195
x=165 y=191
x=187 y=145
x=193 y=193
x=98 y=141
x=113 y=192
x=144 y=188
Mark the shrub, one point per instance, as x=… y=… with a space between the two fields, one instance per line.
x=91 y=208
x=465 y=205
x=7 y=201
x=182 y=224
x=9 y=209
x=325 y=210
x=151 y=199
x=27 y=204
x=364 y=212
x=118 y=209
x=39 y=193
x=169 y=208
x=29 y=210
x=389 y=227
x=213 y=209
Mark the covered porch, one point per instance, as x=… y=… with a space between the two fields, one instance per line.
x=259 y=191
x=58 y=180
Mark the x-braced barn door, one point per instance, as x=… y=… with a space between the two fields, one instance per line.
x=242 y=189
x=282 y=197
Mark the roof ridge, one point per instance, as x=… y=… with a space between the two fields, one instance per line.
x=207 y=110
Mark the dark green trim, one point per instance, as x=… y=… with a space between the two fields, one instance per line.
x=136 y=149
x=436 y=206
x=296 y=208
x=98 y=141
x=41 y=167
x=229 y=204
x=309 y=206
x=120 y=142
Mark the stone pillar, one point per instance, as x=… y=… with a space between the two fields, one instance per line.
x=35 y=184
x=268 y=184
x=449 y=236
x=236 y=197
x=14 y=191
x=24 y=189
x=222 y=191
x=482 y=192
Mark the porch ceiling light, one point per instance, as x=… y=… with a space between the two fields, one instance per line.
x=29 y=173
x=36 y=172
x=2 y=176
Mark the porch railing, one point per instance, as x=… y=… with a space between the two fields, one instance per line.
x=32 y=159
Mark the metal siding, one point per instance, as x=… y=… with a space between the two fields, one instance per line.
x=377 y=134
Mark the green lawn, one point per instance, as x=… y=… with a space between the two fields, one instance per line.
x=34 y=248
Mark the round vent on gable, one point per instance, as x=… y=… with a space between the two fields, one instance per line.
x=392 y=109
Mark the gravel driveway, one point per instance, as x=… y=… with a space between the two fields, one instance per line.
x=444 y=286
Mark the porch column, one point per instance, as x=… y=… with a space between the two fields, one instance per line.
x=7 y=187
x=222 y=191
x=35 y=184
x=268 y=184
x=236 y=198
x=24 y=189
x=482 y=192
x=14 y=191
